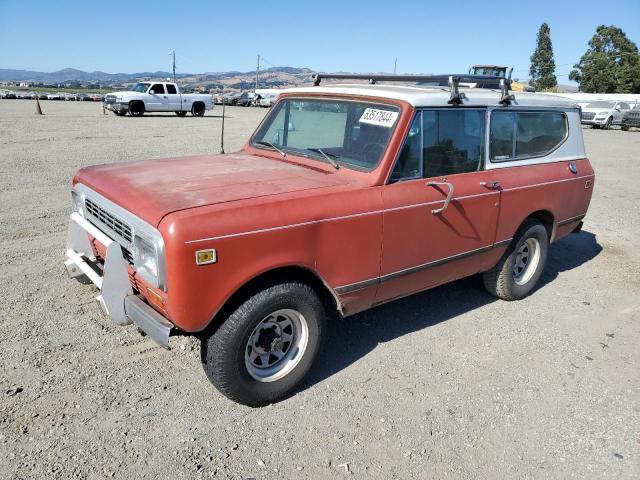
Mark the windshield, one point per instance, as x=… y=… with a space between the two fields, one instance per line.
x=601 y=104
x=354 y=134
x=140 y=87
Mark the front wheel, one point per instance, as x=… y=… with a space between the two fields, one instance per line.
x=607 y=124
x=181 y=114
x=136 y=109
x=265 y=348
x=519 y=269
x=624 y=127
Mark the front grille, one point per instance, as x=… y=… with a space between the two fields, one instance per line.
x=104 y=219
x=588 y=115
x=110 y=98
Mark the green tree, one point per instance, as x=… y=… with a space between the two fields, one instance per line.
x=543 y=67
x=610 y=65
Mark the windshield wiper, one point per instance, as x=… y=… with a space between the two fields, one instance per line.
x=269 y=144
x=329 y=156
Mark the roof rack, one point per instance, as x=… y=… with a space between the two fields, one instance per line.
x=452 y=81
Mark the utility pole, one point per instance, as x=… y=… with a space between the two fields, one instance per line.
x=257 y=70
x=173 y=52
x=395 y=64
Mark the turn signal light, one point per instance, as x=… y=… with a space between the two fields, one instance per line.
x=205 y=257
x=155 y=299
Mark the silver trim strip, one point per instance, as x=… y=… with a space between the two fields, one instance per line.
x=355 y=215
x=342 y=217
x=567 y=221
x=352 y=287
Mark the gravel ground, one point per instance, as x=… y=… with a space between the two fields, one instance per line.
x=448 y=383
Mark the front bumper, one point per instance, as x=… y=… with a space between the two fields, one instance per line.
x=117 y=296
x=594 y=121
x=117 y=107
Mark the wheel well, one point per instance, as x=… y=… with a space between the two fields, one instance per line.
x=272 y=277
x=197 y=103
x=546 y=218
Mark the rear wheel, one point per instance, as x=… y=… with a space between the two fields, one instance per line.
x=136 y=109
x=197 y=110
x=181 y=114
x=120 y=114
x=519 y=269
x=265 y=348
x=607 y=124
x=624 y=127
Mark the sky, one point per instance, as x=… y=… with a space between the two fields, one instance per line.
x=330 y=36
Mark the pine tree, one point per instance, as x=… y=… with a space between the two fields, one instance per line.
x=610 y=65
x=542 y=71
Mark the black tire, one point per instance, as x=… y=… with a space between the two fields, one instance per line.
x=120 y=114
x=624 y=128
x=181 y=114
x=223 y=351
x=197 y=109
x=136 y=109
x=595 y=127
x=607 y=124
x=501 y=280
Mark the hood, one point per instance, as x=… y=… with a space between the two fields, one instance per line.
x=152 y=189
x=596 y=109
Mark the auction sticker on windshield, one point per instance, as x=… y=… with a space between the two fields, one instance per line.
x=382 y=118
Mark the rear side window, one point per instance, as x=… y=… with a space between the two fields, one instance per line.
x=171 y=89
x=158 y=89
x=517 y=135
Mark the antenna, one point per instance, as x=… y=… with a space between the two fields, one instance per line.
x=395 y=64
x=257 y=70
x=222 y=132
x=173 y=52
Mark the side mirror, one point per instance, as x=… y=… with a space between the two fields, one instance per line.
x=152 y=92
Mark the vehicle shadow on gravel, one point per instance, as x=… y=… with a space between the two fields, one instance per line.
x=352 y=338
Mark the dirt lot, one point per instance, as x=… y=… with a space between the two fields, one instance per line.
x=449 y=383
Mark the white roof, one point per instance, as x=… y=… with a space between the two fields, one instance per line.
x=438 y=96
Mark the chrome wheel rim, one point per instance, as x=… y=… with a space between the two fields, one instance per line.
x=526 y=261
x=276 y=345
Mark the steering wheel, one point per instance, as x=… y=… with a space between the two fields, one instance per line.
x=372 y=149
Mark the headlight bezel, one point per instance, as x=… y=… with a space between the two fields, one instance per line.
x=148 y=247
x=139 y=228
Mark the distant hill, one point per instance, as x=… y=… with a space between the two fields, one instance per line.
x=272 y=76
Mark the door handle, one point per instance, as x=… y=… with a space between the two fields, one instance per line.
x=492 y=185
x=435 y=211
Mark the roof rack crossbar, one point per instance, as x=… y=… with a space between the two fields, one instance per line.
x=443 y=79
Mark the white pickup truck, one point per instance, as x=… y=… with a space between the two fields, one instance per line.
x=157 y=97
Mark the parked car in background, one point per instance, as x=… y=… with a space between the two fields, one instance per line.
x=157 y=97
x=55 y=96
x=96 y=97
x=43 y=95
x=71 y=97
x=344 y=198
x=231 y=98
x=268 y=99
x=23 y=95
x=631 y=118
x=604 y=113
x=83 y=97
x=246 y=99
x=7 y=94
